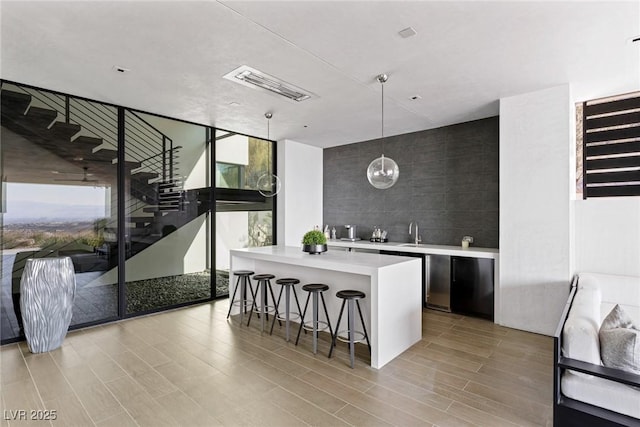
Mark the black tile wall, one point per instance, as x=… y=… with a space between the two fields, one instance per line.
x=448 y=183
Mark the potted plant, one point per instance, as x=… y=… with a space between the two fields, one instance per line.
x=314 y=242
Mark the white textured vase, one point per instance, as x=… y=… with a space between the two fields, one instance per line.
x=47 y=290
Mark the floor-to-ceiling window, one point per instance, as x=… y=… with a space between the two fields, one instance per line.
x=59 y=198
x=130 y=198
x=167 y=219
x=244 y=216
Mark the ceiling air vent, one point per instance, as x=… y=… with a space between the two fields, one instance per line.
x=251 y=77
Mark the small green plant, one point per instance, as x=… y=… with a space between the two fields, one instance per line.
x=314 y=237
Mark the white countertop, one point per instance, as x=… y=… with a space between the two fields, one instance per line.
x=471 y=252
x=333 y=259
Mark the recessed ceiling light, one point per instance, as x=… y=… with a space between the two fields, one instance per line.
x=407 y=32
x=253 y=78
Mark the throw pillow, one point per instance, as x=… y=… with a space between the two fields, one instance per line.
x=620 y=341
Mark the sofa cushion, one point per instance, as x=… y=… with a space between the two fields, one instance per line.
x=580 y=333
x=603 y=393
x=620 y=341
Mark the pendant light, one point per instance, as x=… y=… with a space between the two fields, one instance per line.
x=269 y=183
x=382 y=172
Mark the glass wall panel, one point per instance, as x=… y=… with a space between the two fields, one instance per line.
x=167 y=213
x=59 y=198
x=241 y=221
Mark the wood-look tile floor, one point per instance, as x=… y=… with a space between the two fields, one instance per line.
x=192 y=367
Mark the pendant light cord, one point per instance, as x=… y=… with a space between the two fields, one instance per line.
x=268 y=116
x=382 y=124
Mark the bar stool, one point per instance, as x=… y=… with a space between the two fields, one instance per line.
x=241 y=281
x=313 y=290
x=352 y=297
x=264 y=282
x=286 y=284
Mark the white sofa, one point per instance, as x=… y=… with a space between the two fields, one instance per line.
x=594 y=296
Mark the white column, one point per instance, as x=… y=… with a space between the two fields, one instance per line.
x=536 y=186
x=300 y=200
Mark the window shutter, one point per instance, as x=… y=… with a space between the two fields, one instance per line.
x=611 y=153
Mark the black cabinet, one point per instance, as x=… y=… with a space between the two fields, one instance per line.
x=472 y=286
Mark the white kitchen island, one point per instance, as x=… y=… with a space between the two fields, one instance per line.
x=393 y=285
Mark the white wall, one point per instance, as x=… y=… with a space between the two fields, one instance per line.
x=193 y=156
x=181 y=252
x=233 y=149
x=231 y=233
x=608 y=235
x=300 y=199
x=536 y=184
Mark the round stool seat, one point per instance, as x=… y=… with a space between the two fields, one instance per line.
x=242 y=273
x=350 y=294
x=315 y=287
x=263 y=276
x=287 y=281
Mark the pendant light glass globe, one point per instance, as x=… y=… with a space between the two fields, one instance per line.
x=269 y=185
x=383 y=172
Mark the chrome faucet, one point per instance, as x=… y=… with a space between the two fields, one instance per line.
x=417 y=239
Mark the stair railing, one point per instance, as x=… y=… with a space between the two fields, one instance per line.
x=98 y=120
x=146 y=145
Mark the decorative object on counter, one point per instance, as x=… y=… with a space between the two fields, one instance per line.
x=466 y=241
x=326 y=232
x=314 y=242
x=383 y=172
x=351 y=233
x=47 y=291
x=269 y=183
x=378 y=236
x=333 y=233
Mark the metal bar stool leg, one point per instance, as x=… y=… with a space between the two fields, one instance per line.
x=273 y=298
x=326 y=313
x=351 y=322
x=295 y=294
x=335 y=334
x=304 y=312
x=273 y=322
x=235 y=289
x=364 y=327
x=254 y=307
x=243 y=298
x=315 y=323
x=263 y=308
x=287 y=297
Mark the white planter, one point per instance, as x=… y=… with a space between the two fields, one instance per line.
x=47 y=290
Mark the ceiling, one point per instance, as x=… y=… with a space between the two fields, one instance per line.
x=463 y=59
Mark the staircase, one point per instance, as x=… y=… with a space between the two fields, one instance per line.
x=84 y=133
